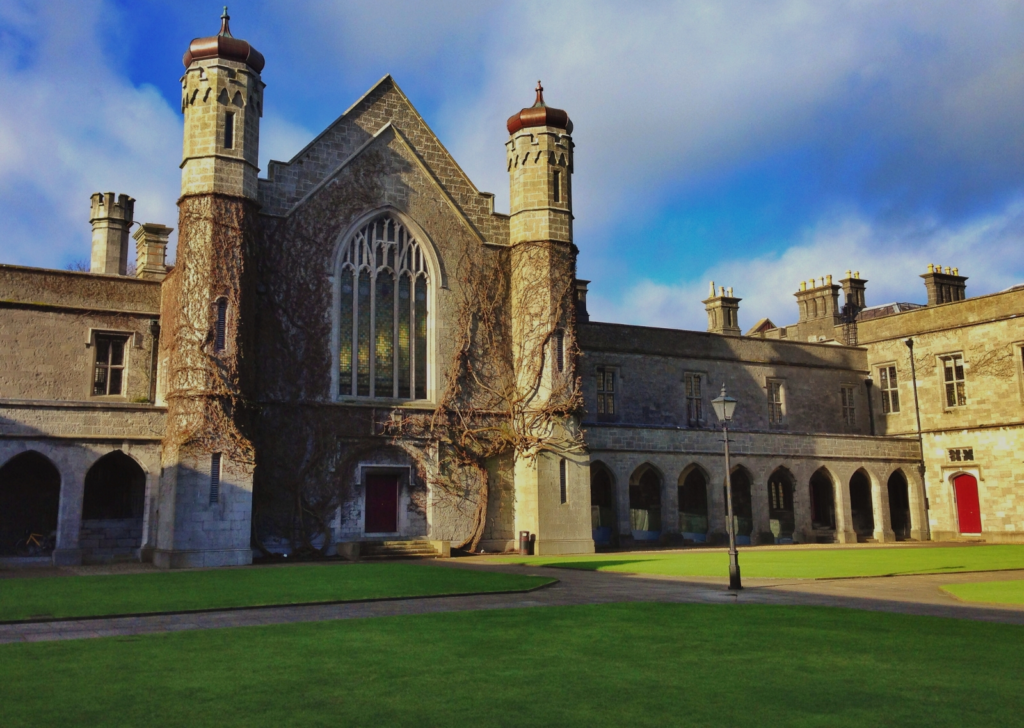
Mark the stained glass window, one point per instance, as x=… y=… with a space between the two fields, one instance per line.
x=383 y=313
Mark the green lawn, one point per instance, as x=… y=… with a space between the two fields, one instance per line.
x=999 y=592
x=808 y=564
x=79 y=596
x=614 y=665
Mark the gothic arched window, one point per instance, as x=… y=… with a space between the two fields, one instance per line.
x=383 y=313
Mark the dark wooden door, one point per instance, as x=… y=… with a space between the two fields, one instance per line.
x=381 y=504
x=967 y=506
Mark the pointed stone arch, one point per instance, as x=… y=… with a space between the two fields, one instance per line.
x=693 y=502
x=602 y=503
x=862 y=511
x=742 y=502
x=29 y=500
x=645 y=507
x=781 y=501
x=898 y=487
x=113 y=506
x=822 y=486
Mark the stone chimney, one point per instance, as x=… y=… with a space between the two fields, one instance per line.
x=723 y=311
x=582 y=316
x=853 y=293
x=944 y=285
x=111 y=219
x=151 y=251
x=818 y=301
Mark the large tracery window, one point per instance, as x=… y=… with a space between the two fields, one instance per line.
x=383 y=337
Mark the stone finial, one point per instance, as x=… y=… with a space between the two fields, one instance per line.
x=828 y=279
x=728 y=291
x=849 y=274
x=956 y=271
x=151 y=251
x=721 y=291
x=931 y=267
x=711 y=293
x=112 y=216
x=803 y=285
x=856 y=274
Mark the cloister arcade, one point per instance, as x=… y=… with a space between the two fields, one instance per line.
x=675 y=499
x=89 y=503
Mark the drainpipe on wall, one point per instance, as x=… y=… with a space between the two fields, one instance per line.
x=154 y=329
x=920 y=440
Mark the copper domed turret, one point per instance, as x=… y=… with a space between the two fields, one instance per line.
x=540 y=114
x=224 y=45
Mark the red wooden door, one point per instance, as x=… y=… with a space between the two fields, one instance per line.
x=381 y=504
x=967 y=507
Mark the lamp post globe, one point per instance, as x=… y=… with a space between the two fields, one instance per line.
x=724 y=407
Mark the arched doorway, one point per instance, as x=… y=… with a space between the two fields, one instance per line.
x=968 y=507
x=693 y=504
x=112 y=507
x=899 y=505
x=823 y=502
x=742 y=506
x=780 y=503
x=861 y=508
x=29 y=501
x=645 y=504
x=602 y=504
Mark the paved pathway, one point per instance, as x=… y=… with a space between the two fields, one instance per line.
x=903 y=594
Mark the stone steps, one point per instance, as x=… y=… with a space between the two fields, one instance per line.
x=397 y=550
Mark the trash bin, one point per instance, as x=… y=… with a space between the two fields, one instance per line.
x=524 y=543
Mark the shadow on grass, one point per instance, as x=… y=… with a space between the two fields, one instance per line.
x=595 y=565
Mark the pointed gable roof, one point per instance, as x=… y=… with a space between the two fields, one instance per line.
x=384 y=104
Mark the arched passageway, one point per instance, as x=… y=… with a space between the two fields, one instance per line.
x=742 y=507
x=29 y=502
x=602 y=504
x=861 y=508
x=645 y=504
x=115 y=491
x=823 y=502
x=693 y=505
x=899 y=505
x=780 y=504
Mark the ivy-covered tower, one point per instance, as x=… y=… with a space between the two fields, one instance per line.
x=205 y=501
x=552 y=480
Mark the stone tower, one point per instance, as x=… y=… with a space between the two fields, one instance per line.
x=552 y=484
x=723 y=311
x=206 y=489
x=112 y=216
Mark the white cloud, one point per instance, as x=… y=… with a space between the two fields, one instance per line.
x=280 y=139
x=891 y=257
x=72 y=125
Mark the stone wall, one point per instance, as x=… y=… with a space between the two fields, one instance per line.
x=114 y=539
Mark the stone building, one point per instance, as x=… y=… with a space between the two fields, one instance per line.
x=357 y=349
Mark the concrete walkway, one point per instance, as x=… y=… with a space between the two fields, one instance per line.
x=919 y=595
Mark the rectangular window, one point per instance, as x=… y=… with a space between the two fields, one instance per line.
x=556 y=186
x=562 y=489
x=108 y=373
x=694 y=398
x=605 y=393
x=214 y=478
x=559 y=350
x=221 y=328
x=229 y=130
x=953 y=375
x=775 y=403
x=961 y=454
x=849 y=414
x=890 y=390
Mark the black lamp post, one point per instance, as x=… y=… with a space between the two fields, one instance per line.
x=724 y=407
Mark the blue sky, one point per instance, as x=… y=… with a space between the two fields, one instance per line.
x=754 y=143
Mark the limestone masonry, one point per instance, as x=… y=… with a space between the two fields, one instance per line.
x=357 y=348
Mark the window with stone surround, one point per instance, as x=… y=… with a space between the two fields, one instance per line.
x=888 y=386
x=559 y=344
x=383 y=313
x=215 y=478
x=109 y=365
x=229 y=130
x=220 y=329
x=849 y=413
x=776 y=402
x=606 y=392
x=694 y=397
x=563 y=488
x=953 y=379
